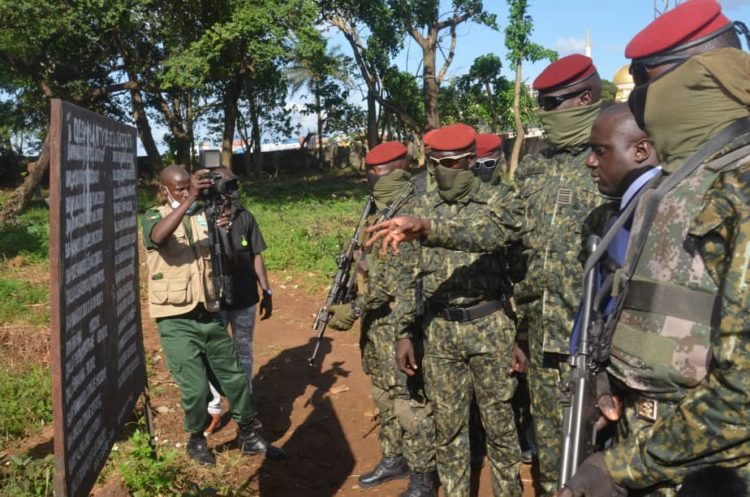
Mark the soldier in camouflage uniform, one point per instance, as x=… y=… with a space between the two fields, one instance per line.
x=680 y=348
x=558 y=195
x=469 y=340
x=407 y=430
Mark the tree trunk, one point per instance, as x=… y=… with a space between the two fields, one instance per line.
x=257 y=154
x=431 y=89
x=372 y=120
x=21 y=195
x=231 y=96
x=321 y=155
x=144 y=129
x=516 y=154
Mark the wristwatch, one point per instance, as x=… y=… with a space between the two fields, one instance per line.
x=267 y=292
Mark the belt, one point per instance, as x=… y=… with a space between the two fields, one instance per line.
x=462 y=314
x=200 y=314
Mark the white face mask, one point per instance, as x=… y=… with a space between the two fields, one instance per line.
x=172 y=202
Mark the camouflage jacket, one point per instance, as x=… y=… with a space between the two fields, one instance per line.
x=463 y=276
x=558 y=196
x=383 y=279
x=710 y=423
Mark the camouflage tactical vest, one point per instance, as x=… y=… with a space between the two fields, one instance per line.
x=662 y=339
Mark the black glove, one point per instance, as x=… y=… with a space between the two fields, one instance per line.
x=266 y=305
x=592 y=479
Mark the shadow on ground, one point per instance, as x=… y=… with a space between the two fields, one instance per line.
x=320 y=459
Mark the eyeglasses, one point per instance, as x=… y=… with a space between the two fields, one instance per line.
x=486 y=163
x=552 y=102
x=639 y=70
x=449 y=160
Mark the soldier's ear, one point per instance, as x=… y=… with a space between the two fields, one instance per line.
x=643 y=150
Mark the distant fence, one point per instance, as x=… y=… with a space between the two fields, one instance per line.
x=278 y=162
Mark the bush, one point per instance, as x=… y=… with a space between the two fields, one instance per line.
x=27 y=477
x=147 y=475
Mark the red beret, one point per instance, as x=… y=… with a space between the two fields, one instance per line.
x=486 y=144
x=427 y=137
x=687 y=22
x=453 y=137
x=385 y=152
x=565 y=72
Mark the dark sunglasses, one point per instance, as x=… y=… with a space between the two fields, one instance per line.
x=639 y=70
x=552 y=102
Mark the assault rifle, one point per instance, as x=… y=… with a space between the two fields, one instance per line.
x=343 y=288
x=579 y=392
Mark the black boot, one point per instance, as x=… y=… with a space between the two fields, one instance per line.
x=389 y=468
x=252 y=443
x=197 y=448
x=421 y=485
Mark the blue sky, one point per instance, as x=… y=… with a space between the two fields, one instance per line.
x=562 y=25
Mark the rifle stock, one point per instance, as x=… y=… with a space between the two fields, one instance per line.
x=579 y=392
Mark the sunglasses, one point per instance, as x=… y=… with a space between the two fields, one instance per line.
x=449 y=160
x=552 y=102
x=488 y=163
x=639 y=70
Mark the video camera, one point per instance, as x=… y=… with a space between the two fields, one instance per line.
x=222 y=187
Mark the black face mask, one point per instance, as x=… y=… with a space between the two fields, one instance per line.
x=637 y=104
x=372 y=178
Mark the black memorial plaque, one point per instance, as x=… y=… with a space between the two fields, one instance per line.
x=98 y=366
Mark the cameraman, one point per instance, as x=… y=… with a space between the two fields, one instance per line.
x=184 y=303
x=248 y=270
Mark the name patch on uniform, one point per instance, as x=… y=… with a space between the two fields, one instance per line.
x=564 y=196
x=201 y=221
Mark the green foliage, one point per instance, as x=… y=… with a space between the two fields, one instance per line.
x=28 y=235
x=609 y=90
x=145 y=474
x=27 y=477
x=518 y=33
x=27 y=402
x=16 y=297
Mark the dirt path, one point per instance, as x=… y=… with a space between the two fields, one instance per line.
x=322 y=416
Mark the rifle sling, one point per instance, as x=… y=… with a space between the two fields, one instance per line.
x=671 y=300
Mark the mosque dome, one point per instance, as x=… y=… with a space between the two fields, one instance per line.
x=622 y=76
x=624 y=83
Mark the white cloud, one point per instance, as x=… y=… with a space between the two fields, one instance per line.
x=569 y=45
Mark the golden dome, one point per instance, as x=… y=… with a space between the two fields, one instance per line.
x=622 y=76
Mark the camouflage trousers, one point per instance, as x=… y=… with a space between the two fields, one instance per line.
x=406 y=424
x=464 y=359
x=546 y=373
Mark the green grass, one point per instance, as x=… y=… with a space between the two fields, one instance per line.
x=27 y=402
x=16 y=299
x=306 y=223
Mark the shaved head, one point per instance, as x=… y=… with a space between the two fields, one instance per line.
x=175 y=181
x=618 y=119
x=620 y=150
x=173 y=173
